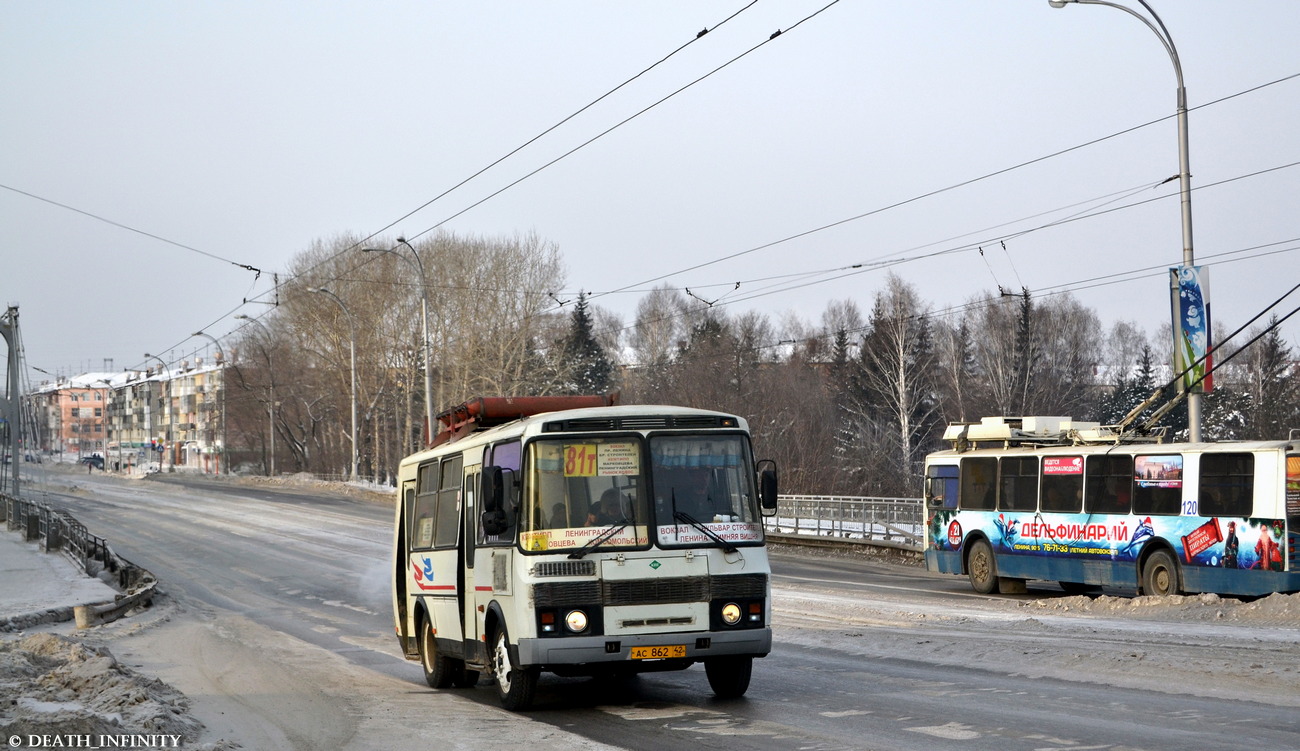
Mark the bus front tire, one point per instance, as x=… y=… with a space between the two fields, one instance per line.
x=982 y=568
x=438 y=668
x=515 y=685
x=729 y=676
x=1160 y=574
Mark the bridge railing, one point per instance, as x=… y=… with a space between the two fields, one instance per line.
x=895 y=520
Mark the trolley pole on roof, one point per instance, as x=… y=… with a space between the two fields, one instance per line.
x=1184 y=166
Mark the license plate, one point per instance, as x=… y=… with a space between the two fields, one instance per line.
x=658 y=653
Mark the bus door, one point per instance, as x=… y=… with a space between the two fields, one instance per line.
x=401 y=560
x=435 y=554
x=470 y=587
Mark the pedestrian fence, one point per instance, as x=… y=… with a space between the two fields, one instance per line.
x=899 y=521
x=54 y=529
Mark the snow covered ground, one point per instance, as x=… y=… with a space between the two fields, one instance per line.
x=128 y=676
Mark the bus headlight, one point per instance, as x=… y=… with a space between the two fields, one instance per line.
x=576 y=621
x=731 y=614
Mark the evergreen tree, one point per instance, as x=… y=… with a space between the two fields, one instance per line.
x=587 y=368
x=1274 y=387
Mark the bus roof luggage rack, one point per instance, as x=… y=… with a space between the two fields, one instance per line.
x=483 y=412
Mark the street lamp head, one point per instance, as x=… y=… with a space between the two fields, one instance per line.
x=1059 y=3
x=198 y=333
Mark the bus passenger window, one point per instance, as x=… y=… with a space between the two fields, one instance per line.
x=1108 y=487
x=978 y=491
x=424 y=511
x=1227 y=484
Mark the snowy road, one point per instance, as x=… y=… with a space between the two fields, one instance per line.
x=279 y=630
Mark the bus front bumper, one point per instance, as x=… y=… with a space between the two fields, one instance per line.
x=579 y=650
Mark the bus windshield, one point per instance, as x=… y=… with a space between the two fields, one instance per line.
x=703 y=481
x=578 y=488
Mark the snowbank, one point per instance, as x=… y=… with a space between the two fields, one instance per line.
x=62 y=687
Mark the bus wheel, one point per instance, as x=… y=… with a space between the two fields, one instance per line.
x=438 y=669
x=982 y=568
x=1160 y=574
x=729 y=676
x=515 y=685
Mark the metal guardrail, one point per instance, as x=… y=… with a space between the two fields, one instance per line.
x=58 y=530
x=900 y=521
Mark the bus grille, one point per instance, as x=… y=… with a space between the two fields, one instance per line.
x=740 y=586
x=565 y=594
x=656 y=591
x=650 y=591
x=565 y=568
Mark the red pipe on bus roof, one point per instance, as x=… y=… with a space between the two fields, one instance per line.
x=486 y=411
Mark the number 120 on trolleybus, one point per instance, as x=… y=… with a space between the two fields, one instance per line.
x=538 y=537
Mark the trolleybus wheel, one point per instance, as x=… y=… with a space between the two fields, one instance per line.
x=982 y=568
x=1160 y=574
x=515 y=685
x=729 y=676
x=438 y=668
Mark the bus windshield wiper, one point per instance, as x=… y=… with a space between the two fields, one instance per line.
x=599 y=540
x=682 y=516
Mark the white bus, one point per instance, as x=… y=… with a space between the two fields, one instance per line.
x=1077 y=503
x=596 y=540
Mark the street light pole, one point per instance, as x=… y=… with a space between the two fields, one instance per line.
x=222 y=457
x=270 y=379
x=108 y=401
x=171 y=412
x=352 y=352
x=1184 y=161
x=424 y=317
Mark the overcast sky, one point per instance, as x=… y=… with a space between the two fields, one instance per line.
x=151 y=150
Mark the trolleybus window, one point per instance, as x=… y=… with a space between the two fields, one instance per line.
x=941 y=486
x=977 y=489
x=1063 y=484
x=1019 y=479
x=1158 y=484
x=1109 y=486
x=1227 y=484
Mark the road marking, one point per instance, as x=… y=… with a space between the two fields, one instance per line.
x=953 y=731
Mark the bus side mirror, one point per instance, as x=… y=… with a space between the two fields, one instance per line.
x=767 y=487
x=495 y=519
x=493 y=489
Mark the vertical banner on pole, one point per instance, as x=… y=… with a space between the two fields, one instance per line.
x=1190 y=288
